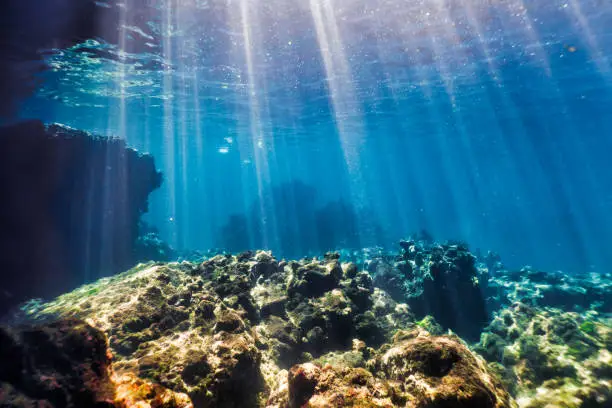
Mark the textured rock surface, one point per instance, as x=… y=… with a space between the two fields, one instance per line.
x=331 y=386
x=551 y=358
x=439 y=280
x=440 y=371
x=70 y=208
x=417 y=370
x=252 y=331
x=60 y=364
x=66 y=363
x=222 y=331
x=579 y=292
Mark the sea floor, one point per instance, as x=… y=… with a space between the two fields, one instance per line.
x=429 y=326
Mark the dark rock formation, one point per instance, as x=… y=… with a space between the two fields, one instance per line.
x=59 y=364
x=70 y=208
x=440 y=280
x=297 y=225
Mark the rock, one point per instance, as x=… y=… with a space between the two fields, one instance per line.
x=309 y=385
x=303 y=380
x=439 y=371
x=440 y=280
x=167 y=328
x=52 y=239
x=274 y=307
x=563 y=355
x=576 y=292
x=58 y=364
x=313 y=280
x=417 y=371
x=284 y=341
x=215 y=335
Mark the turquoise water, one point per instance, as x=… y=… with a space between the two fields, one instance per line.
x=308 y=126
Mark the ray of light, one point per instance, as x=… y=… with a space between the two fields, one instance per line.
x=255 y=92
x=598 y=57
x=476 y=26
x=168 y=115
x=348 y=118
x=440 y=137
x=520 y=10
x=121 y=67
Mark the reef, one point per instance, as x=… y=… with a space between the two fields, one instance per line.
x=70 y=209
x=249 y=330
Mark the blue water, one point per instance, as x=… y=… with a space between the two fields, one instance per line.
x=307 y=126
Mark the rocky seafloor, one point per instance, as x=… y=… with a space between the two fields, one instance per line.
x=430 y=326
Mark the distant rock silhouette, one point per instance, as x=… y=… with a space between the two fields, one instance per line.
x=288 y=220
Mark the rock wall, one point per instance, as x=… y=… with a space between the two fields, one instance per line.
x=70 y=208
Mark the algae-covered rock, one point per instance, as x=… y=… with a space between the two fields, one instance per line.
x=571 y=292
x=549 y=357
x=417 y=370
x=249 y=331
x=440 y=371
x=310 y=385
x=169 y=327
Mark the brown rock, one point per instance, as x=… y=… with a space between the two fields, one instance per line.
x=442 y=372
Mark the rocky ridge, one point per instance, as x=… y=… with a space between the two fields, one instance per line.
x=252 y=331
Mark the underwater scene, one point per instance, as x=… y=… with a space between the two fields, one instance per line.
x=317 y=203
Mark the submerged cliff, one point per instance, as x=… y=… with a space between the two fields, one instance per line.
x=70 y=208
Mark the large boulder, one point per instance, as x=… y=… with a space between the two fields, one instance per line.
x=417 y=370
x=313 y=386
x=440 y=371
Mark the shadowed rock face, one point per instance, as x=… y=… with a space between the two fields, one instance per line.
x=70 y=208
x=440 y=280
x=60 y=364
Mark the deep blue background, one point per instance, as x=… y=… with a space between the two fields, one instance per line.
x=484 y=122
